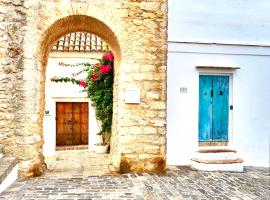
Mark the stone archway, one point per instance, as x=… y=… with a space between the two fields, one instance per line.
x=137 y=34
x=69 y=24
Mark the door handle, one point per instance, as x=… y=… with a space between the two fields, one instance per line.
x=212 y=93
x=220 y=93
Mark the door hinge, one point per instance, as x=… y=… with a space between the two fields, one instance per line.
x=231 y=107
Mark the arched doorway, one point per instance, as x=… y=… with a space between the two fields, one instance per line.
x=74 y=23
x=69 y=121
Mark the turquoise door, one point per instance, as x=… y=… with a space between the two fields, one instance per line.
x=213 y=108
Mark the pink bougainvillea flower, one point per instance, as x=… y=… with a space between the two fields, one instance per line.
x=104 y=69
x=82 y=83
x=105 y=57
x=61 y=64
x=110 y=56
x=96 y=65
x=94 y=77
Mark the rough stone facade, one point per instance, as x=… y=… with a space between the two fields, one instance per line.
x=137 y=34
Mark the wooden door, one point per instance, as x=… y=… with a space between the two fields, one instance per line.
x=205 y=108
x=71 y=123
x=213 y=108
x=220 y=108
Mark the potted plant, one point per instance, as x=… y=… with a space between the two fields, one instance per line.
x=101 y=146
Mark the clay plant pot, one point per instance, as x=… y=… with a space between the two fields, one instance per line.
x=101 y=148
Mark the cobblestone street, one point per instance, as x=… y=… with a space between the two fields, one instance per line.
x=178 y=183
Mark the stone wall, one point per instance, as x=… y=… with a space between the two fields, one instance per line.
x=137 y=34
x=12 y=23
x=143 y=126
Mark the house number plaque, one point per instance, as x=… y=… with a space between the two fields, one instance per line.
x=132 y=95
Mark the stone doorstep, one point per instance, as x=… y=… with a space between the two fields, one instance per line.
x=224 y=161
x=72 y=147
x=217 y=159
x=6 y=166
x=216 y=151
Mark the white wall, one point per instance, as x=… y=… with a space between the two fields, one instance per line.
x=65 y=92
x=251 y=98
x=220 y=21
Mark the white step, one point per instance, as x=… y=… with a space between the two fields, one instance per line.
x=217 y=159
x=235 y=167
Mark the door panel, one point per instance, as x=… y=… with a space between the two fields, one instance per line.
x=76 y=112
x=220 y=108
x=84 y=123
x=205 y=108
x=213 y=108
x=71 y=123
x=63 y=123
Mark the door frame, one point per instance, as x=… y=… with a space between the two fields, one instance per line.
x=230 y=124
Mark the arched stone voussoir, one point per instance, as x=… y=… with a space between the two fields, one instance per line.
x=74 y=23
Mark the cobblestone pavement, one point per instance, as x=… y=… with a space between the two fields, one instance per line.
x=178 y=183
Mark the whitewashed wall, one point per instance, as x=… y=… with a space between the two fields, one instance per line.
x=65 y=92
x=219 y=33
x=220 y=21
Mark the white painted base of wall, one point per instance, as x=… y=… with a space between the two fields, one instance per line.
x=11 y=178
x=236 y=167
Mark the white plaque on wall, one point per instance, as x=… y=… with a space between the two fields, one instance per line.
x=132 y=95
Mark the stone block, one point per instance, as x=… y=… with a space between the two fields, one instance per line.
x=155 y=165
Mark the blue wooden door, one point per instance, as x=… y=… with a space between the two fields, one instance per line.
x=213 y=108
x=205 y=108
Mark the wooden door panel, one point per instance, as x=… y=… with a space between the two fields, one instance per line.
x=220 y=108
x=205 y=108
x=76 y=123
x=63 y=123
x=67 y=136
x=84 y=133
x=84 y=123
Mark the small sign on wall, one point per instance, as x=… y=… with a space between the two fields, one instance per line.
x=46 y=113
x=183 y=89
x=132 y=95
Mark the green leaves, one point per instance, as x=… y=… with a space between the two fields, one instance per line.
x=101 y=94
x=65 y=80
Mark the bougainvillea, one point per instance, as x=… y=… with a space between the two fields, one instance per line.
x=100 y=90
x=99 y=87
